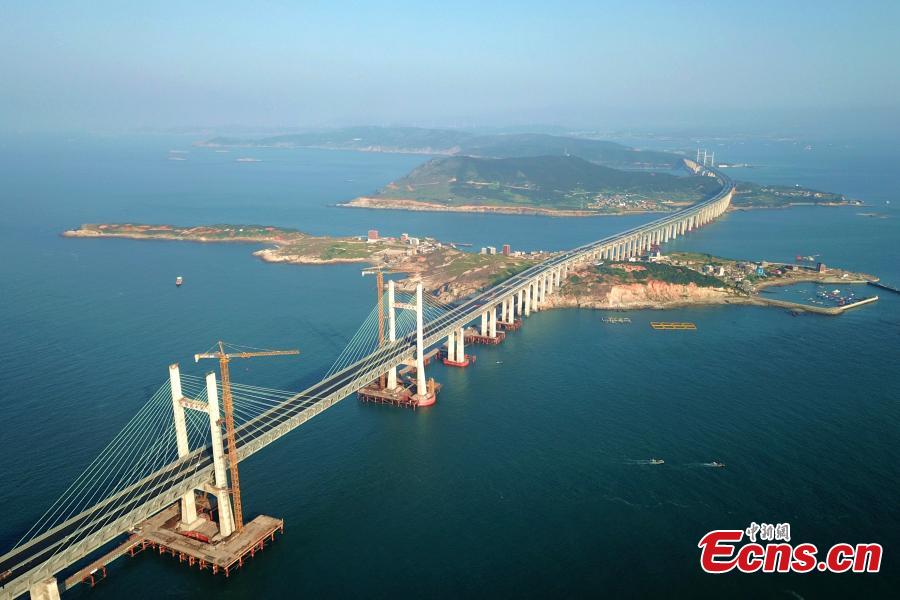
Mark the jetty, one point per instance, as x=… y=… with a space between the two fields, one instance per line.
x=883 y=286
x=821 y=310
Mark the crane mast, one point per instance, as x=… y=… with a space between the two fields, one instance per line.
x=228 y=408
x=379 y=292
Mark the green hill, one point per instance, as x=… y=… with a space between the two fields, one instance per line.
x=537 y=144
x=555 y=182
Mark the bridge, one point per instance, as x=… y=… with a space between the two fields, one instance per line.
x=68 y=538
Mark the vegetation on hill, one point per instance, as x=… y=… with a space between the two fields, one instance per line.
x=560 y=182
x=538 y=144
x=658 y=272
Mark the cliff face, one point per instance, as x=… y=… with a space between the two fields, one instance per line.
x=652 y=294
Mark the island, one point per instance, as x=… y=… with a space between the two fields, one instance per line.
x=445 y=270
x=752 y=195
x=449 y=273
x=551 y=185
x=533 y=173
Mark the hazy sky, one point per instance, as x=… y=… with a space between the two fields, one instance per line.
x=127 y=65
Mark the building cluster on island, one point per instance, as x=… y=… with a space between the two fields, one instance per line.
x=428 y=245
x=746 y=276
x=611 y=202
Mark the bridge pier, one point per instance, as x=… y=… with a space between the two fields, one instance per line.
x=48 y=589
x=492 y=322
x=422 y=396
x=223 y=498
x=456 y=353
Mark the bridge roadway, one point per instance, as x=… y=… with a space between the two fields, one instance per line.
x=74 y=539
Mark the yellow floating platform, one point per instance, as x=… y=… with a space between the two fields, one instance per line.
x=673 y=326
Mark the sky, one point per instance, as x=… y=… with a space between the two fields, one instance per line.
x=756 y=64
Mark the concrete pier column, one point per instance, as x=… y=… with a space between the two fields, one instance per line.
x=527 y=297
x=392 y=333
x=460 y=346
x=484 y=323
x=451 y=345
x=226 y=518
x=521 y=302
x=188 y=501
x=492 y=320
x=543 y=284
x=47 y=589
x=421 y=384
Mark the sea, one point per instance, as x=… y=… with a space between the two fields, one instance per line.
x=530 y=477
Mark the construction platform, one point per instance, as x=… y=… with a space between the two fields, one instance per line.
x=510 y=325
x=96 y=572
x=402 y=395
x=673 y=326
x=477 y=338
x=160 y=533
x=617 y=320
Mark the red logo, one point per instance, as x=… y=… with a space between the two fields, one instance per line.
x=720 y=552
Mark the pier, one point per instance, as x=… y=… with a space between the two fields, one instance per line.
x=820 y=310
x=883 y=286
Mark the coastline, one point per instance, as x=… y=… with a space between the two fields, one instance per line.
x=421 y=206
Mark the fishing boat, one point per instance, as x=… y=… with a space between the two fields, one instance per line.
x=178 y=281
x=656 y=461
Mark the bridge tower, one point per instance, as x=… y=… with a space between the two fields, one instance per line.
x=220 y=480
x=189 y=518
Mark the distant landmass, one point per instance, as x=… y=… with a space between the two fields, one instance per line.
x=416 y=140
x=548 y=183
x=530 y=173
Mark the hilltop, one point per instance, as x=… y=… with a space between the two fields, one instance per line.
x=565 y=185
x=452 y=142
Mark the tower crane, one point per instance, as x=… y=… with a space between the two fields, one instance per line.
x=228 y=407
x=379 y=280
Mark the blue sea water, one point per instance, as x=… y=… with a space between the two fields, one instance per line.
x=527 y=479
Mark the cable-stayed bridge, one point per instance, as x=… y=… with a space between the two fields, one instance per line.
x=152 y=464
